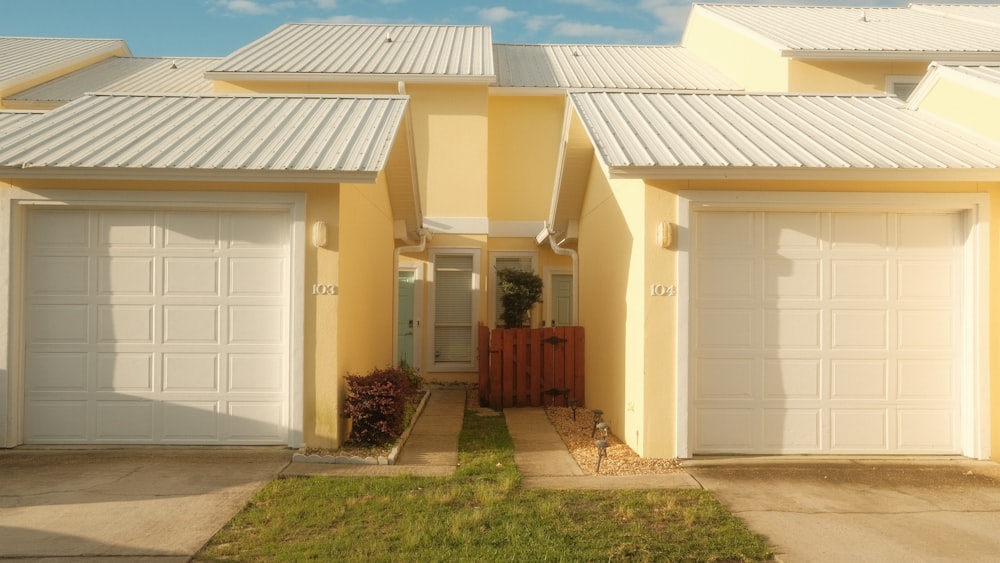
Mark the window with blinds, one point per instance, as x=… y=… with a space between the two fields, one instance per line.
x=455 y=284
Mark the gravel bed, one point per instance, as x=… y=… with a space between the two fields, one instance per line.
x=621 y=460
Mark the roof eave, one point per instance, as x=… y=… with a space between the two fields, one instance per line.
x=811 y=174
x=879 y=55
x=230 y=76
x=190 y=175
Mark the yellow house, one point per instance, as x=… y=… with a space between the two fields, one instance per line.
x=201 y=249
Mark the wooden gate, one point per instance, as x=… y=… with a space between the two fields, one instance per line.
x=522 y=367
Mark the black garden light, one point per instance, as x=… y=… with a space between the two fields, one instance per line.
x=598 y=416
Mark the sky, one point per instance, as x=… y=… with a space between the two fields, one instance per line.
x=215 y=28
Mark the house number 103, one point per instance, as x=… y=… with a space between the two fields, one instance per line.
x=324 y=289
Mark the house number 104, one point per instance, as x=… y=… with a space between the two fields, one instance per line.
x=324 y=289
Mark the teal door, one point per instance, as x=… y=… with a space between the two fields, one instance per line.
x=404 y=319
x=562 y=300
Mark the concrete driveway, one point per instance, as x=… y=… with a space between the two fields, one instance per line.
x=159 y=503
x=924 y=509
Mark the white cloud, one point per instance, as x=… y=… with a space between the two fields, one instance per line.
x=347 y=20
x=497 y=15
x=326 y=4
x=255 y=7
x=593 y=30
x=597 y=5
x=672 y=14
x=541 y=23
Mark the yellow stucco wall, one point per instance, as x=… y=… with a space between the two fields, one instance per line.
x=747 y=60
x=524 y=138
x=972 y=108
x=856 y=77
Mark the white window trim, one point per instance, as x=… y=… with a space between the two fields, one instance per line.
x=975 y=384
x=893 y=79
x=15 y=203
x=492 y=294
x=432 y=309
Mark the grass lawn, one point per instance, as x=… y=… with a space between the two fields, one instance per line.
x=479 y=514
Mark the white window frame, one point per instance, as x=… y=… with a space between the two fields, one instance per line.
x=892 y=81
x=494 y=294
x=433 y=255
x=418 y=306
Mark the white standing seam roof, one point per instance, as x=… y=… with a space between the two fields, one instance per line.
x=24 y=58
x=365 y=52
x=250 y=137
x=11 y=121
x=606 y=66
x=122 y=75
x=825 y=31
x=678 y=135
x=986 y=73
x=988 y=14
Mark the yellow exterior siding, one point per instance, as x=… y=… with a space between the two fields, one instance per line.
x=969 y=107
x=855 y=77
x=748 y=61
x=43 y=78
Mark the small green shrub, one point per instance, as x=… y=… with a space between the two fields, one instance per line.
x=521 y=290
x=376 y=404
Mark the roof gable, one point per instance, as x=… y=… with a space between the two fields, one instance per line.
x=365 y=52
x=26 y=60
x=854 y=32
x=606 y=66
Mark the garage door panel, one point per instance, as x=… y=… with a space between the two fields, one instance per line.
x=125 y=324
x=191 y=324
x=256 y=373
x=789 y=329
x=859 y=279
x=858 y=429
x=66 y=324
x=851 y=333
x=191 y=421
x=798 y=429
x=792 y=231
x=191 y=372
x=56 y=421
x=859 y=380
x=725 y=379
x=125 y=373
x=56 y=371
x=859 y=329
x=124 y=421
x=187 y=276
x=159 y=328
x=60 y=275
x=792 y=379
x=126 y=229
x=859 y=232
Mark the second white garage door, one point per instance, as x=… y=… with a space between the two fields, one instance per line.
x=156 y=326
x=826 y=332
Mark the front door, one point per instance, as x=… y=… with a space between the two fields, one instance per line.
x=404 y=318
x=562 y=299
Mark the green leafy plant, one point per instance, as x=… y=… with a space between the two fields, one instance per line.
x=520 y=290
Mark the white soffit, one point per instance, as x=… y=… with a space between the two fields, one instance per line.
x=674 y=135
x=25 y=58
x=250 y=137
x=853 y=32
x=11 y=121
x=124 y=75
x=346 y=52
x=606 y=67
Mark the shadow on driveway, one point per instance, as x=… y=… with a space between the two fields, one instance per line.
x=125 y=501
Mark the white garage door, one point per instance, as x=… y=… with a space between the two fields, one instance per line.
x=826 y=332
x=156 y=327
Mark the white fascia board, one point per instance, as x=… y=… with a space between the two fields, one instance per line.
x=458 y=225
x=812 y=174
x=889 y=56
x=257 y=176
x=230 y=76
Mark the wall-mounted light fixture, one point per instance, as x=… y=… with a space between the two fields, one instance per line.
x=319 y=234
x=665 y=234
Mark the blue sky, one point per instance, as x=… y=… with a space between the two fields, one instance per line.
x=218 y=27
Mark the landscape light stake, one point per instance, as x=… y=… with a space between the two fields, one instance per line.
x=602 y=452
x=572 y=406
x=598 y=413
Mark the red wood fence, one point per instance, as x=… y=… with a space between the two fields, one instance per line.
x=523 y=367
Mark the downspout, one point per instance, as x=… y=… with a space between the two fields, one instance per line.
x=574 y=255
x=553 y=211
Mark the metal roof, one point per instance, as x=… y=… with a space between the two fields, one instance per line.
x=988 y=14
x=25 y=58
x=676 y=135
x=818 y=31
x=987 y=73
x=249 y=137
x=13 y=120
x=606 y=66
x=123 y=75
x=346 y=52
